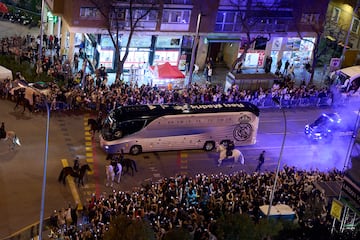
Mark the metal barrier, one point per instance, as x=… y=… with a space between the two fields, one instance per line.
x=312 y=101
x=29 y=232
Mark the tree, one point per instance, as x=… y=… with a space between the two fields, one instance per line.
x=312 y=23
x=121 y=16
x=125 y=228
x=177 y=234
x=241 y=226
x=251 y=22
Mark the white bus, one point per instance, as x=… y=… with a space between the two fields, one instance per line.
x=147 y=128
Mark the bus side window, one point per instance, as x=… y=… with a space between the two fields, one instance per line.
x=135 y=126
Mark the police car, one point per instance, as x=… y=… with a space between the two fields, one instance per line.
x=323 y=127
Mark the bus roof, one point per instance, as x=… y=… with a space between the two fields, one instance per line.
x=124 y=113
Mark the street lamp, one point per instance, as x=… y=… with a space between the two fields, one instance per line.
x=45 y=169
x=41 y=29
x=193 y=51
x=277 y=102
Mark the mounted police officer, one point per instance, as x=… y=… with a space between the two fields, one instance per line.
x=2 y=130
x=229 y=148
x=76 y=166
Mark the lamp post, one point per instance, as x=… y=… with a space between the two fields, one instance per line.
x=277 y=102
x=41 y=29
x=45 y=169
x=193 y=51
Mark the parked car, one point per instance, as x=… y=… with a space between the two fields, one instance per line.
x=323 y=127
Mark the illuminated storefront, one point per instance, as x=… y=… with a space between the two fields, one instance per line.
x=139 y=51
x=167 y=49
x=298 y=51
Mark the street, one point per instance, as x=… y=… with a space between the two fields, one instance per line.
x=21 y=170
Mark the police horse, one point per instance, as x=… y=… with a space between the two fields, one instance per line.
x=232 y=153
x=126 y=163
x=79 y=175
x=95 y=126
x=12 y=139
x=113 y=170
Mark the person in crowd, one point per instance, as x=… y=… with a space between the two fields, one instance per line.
x=261 y=161
x=286 y=66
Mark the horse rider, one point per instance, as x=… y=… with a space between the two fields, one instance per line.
x=76 y=166
x=114 y=162
x=2 y=130
x=229 y=148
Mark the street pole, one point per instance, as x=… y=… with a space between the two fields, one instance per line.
x=41 y=29
x=193 y=51
x=44 y=170
x=275 y=100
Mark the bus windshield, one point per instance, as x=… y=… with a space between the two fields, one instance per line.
x=113 y=129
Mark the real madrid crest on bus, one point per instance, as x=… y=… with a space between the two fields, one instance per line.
x=243 y=130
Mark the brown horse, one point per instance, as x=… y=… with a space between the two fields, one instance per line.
x=79 y=175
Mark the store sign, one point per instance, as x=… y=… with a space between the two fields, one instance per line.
x=168 y=42
x=336 y=209
x=335 y=63
x=276 y=45
x=351 y=189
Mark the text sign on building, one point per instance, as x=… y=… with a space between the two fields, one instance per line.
x=336 y=208
x=351 y=189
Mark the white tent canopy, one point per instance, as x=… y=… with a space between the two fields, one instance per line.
x=5 y=73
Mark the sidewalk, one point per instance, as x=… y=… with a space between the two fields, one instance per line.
x=219 y=76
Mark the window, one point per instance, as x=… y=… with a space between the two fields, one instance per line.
x=335 y=14
x=176 y=16
x=227 y=21
x=310 y=18
x=118 y=14
x=355 y=25
x=89 y=12
x=149 y=16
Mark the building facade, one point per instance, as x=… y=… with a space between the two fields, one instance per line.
x=341 y=32
x=283 y=29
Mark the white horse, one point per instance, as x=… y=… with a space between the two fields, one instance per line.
x=110 y=174
x=12 y=139
x=236 y=154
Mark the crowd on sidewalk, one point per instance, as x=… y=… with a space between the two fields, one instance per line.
x=196 y=203
x=81 y=89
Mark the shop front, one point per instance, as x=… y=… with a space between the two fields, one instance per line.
x=298 y=51
x=167 y=49
x=139 y=51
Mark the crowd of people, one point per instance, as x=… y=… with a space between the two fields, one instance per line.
x=190 y=202
x=195 y=203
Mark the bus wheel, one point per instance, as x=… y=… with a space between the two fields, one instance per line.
x=210 y=145
x=135 y=150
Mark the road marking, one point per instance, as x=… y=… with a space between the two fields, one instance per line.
x=281 y=120
x=72 y=186
x=89 y=154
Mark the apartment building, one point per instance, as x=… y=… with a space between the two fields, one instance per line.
x=342 y=31
x=283 y=29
